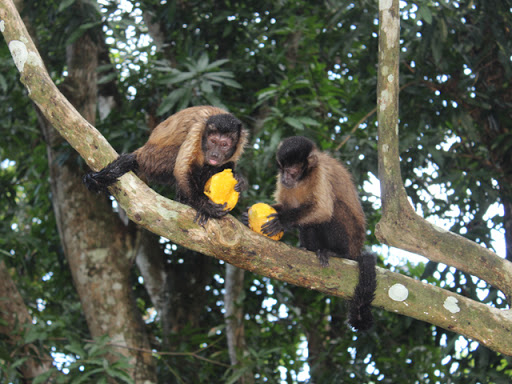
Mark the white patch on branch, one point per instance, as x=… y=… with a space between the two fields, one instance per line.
x=391 y=78
x=398 y=292
x=385 y=4
x=451 y=304
x=385 y=99
x=2 y=26
x=19 y=53
x=33 y=59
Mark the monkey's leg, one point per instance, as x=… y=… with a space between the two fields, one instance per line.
x=100 y=181
x=314 y=238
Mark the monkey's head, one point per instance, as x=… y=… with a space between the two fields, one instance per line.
x=223 y=139
x=296 y=158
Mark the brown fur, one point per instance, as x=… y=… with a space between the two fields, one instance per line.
x=183 y=130
x=331 y=191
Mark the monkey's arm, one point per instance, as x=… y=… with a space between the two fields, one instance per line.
x=100 y=181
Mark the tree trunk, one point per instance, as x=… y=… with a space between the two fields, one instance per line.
x=14 y=317
x=97 y=245
x=235 y=331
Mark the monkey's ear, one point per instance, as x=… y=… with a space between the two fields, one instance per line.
x=312 y=160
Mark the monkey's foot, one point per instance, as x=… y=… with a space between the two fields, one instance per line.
x=323 y=256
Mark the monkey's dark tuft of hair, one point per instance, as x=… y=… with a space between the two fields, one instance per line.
x=360 y=314
x=225 y=123
x=100 y=181
x=294 y=150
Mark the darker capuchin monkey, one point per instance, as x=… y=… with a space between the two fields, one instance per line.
x=185 y=150
x=316 y=194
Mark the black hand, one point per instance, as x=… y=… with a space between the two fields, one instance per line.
x=241 y=184
x=245 y=218
x=272 y=227
x=210 y=210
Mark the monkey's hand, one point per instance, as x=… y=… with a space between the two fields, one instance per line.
x=241 y=184
x=245 y=218
x=210 y=209
x=96 y=183
x=273 y=226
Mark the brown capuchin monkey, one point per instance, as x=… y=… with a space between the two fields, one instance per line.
x=316 y=194
x=185 y=150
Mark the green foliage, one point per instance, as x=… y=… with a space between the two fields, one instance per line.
x=195 y=86
x=284 y=68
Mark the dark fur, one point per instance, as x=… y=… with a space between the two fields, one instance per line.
x=177 y=153
x=316 y=194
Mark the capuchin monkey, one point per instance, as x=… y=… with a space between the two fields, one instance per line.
x=316 y=194
x=185 y=150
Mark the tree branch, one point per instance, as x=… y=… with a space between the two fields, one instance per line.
x=229 y=240
x=400 y=226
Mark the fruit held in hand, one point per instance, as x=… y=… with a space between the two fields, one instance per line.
x=258 y=215
x=220 y=188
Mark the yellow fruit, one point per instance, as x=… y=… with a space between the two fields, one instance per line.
x=258 y=216
x=220 y=188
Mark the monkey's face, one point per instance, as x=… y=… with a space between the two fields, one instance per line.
x=290 y=175
x=218 y=148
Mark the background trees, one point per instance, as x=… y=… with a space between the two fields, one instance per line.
x=283 y=68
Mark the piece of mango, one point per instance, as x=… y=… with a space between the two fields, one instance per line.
x=220 y=188
x=258 y=215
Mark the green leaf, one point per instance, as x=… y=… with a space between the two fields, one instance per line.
x=206 y=87
x=231 y=83
x=294 y=123
x=425 y=14
x=308 y=121
x=65 y=4
x=202 y=63
x=170 y=101
x=80 y=31
x=107 y=78
x=185 y=100
x=180 y=77
x=217 y=63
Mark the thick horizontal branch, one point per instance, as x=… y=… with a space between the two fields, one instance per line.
x=231 y=241
x=228 y=239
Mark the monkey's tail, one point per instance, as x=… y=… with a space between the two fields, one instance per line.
x=360 y=314
x=100 y=181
